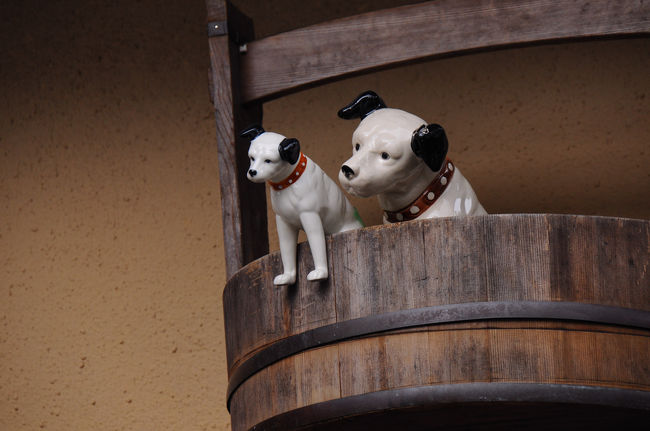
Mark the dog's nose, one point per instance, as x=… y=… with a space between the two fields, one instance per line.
x=347 y=171
x=252 y=172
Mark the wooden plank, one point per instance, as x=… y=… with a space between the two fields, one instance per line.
x=381 y=270
x=282 y=380
x=590 y=357
x=216 y=10
x=541 y=352
x=314 y=302
x=517 y=259
x=308 y=378
x=600 y=260
x=457 y=353
x=288 y=61
x=258 y=313
x=364 y=366
x=317 y=376
x=455 y=257
x=592 y=260
x=257 y=322
x=253 y=401
x=243 y=203
x=552 y=352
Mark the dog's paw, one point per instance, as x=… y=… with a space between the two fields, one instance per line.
x=284 y=279
x=317 y=274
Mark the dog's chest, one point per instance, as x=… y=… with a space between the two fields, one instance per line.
x=285 y=202
x=299 y=197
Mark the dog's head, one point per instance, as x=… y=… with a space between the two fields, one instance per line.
x=387 y=145
x=271 y=155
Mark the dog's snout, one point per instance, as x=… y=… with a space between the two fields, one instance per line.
x=252 y=172
x=347 y=171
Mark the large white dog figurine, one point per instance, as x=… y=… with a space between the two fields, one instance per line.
x=302 y=196
x=400 y=158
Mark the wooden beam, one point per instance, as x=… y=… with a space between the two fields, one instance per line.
x=243 y=203
x=286 y=62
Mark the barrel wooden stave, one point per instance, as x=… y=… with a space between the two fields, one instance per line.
x=596 y=260
x=383 y=269
x=258 y=313
x=543 y=352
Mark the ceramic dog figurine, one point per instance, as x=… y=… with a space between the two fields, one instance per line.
x=402 y=160
x=302 y=196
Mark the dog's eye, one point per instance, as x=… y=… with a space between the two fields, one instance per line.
x=252 y=159
x=267 y=161
x=385 y=156
x=356 y=147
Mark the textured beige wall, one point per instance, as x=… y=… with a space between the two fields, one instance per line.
x=111 y=271
x=111 y=259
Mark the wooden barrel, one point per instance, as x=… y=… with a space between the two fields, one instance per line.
x=488 y=322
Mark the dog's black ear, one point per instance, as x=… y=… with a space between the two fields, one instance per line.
x=430 y=144
x=252 y=132
x=289 y=150
x=365 y=104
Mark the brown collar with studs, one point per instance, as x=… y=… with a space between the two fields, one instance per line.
x=297 y=172
x=427 y=198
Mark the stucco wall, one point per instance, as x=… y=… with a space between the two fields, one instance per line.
x=111 y=257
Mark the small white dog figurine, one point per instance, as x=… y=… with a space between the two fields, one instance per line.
x=302 y=196
x=400 y=158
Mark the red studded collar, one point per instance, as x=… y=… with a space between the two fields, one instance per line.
x=297 y=172
x=427 y=198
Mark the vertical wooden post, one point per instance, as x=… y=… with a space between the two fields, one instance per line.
x=243 y=203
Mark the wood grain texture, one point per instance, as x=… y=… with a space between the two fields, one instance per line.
x=288 y=61
x=243 y=203
x=539 y=352
x=592 y=260
x=382 y=269
x=216 y=10
x=308 y=378
x=267 y=313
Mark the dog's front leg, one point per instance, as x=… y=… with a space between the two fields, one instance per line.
x=288 y=236
x=313 y=227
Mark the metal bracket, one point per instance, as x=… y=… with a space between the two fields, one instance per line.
x=217 y=28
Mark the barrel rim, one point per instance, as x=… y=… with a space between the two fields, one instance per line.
x=435 y=315
x=230 y=284
x=448 y=394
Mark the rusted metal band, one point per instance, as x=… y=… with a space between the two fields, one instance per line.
x=533 y=395
x=451 y=313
